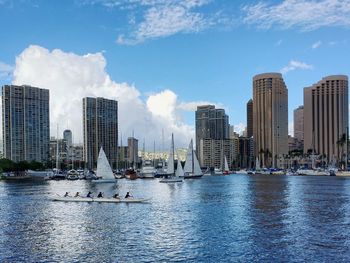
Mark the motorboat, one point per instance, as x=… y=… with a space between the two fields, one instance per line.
x=148 y=171
x=73 y=175
x=131 y=174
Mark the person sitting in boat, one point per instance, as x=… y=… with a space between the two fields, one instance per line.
x=89 y=195
x=116 y=196
x=66 y=194
x=77 y=194
x=100 y=195
x=128 y=195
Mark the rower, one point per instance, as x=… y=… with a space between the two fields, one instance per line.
x=66 y=194
x=116 y=196
x=128 y=195
x=77 y=194
x=89 y=194
x=100 y=195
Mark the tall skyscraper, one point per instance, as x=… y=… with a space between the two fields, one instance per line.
x=299 y=123
x=270 y=117
x=250 y=118
x=326 y=114
x=133 y=151
x=100 y=129
x=25 y=123
x=211 y=123
x=67 y=135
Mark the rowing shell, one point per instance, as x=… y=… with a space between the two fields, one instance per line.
x=100 y=200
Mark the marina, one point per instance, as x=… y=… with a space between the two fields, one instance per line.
x=215 y=219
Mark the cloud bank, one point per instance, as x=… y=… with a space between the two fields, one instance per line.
x=70 y=77
x=294 y=65
x=306 y=15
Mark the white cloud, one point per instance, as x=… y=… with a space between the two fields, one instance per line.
x=316 y=44
x=304 y=14
x=294 y=64
x=278 y=43
x=192 y=106
x=164 y=18
x=5 y=70
x=70 y=77
x=291 y=128
x=239 y=128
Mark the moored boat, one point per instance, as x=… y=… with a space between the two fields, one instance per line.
x=192 y=169
x=104 y=170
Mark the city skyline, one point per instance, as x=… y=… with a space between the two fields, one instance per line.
x=209 y=58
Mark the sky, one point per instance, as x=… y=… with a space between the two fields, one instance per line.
x=162 y=58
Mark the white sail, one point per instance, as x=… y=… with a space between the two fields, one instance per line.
x=196 y=167
x=189 y=159
x=170 y=167
x=192 y=165
x=103 y=168
x=226 y=165
x=179 y=170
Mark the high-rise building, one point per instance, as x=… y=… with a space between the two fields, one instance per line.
x=246 y=152
x=326 y=114
x=67 y=135
x=25 y=123
x=211 y=123
x=299 y=123
x=133 y=150
x=212 y=152
x=270 y=117
x=100 y=129
x=250 y=118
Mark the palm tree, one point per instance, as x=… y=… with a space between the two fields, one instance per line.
x=341 y=142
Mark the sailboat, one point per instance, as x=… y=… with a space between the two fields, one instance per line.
x=192 y=168
x=104 y=170
x=226 y=169
x=171 y=176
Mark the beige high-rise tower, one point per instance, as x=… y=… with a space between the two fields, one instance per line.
x=326 y=114
x=299 y=123
x=270 y=118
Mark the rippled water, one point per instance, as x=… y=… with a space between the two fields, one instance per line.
x=236 y=218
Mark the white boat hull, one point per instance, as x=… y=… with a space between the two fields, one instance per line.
x=100 y=200
x=104 y=181
x=170 y=180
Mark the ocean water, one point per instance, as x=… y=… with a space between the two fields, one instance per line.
x=237 y=218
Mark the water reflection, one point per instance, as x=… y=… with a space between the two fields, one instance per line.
x=234 y=218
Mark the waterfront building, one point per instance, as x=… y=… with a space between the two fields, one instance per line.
x=133 y=151
x=299 y=123
x=246 y=152
x=249 y=118
x=25 y=123
x=326 y=114
x=294 y=144
x=270 y=118
x=211 y=123
x=100 y=129
x=67 y=135
x=212 y=152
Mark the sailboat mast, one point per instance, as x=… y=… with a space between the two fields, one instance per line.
x=154 y=152
x=172 y=142
x=57 y=150
x=72 y=152
x=192 y=156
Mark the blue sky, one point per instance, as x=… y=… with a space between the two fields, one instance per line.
x=201 y=50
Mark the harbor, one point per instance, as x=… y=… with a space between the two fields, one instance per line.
x=214 y=219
